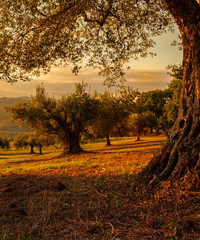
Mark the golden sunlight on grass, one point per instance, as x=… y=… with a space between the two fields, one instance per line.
x=123 y=156
x=90 y=196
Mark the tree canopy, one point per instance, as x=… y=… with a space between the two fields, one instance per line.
x=36 y=34
x=113 y=109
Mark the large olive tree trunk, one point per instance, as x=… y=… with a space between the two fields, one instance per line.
x=71 y=142
x=74 y=143
x=181 y=151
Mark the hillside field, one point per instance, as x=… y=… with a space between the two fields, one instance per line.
x=92 y=196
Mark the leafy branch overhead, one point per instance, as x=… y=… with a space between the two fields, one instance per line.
x=34 y=35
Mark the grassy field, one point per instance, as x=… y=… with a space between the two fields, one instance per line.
x=92 y=196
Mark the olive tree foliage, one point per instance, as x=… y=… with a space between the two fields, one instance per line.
x=66 y=117
x=170 y=110
x=153 y=101
x=163 y=104
x=138 y=122
x=36 y=34
x=112 y=110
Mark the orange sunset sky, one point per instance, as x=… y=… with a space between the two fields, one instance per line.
x=145 y=74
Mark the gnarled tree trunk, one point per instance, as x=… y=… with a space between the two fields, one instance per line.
x=74 y=143
x=181 y=151
x=71 y=141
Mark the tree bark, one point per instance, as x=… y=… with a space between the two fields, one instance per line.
x=138 y=136
x=157 y=131
x=32 y=151
x=180 y=153
x=108 y=143
x=40 y=148
x=65 y=148
x=72 y=145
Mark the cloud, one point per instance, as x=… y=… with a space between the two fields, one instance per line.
x=146 y=80
x=61 y=80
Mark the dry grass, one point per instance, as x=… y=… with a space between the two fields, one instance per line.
x=93 y=196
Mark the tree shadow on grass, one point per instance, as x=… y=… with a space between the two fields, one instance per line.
x=121 y=148
x=14 y=154
x=74 y=207
x=136 y=146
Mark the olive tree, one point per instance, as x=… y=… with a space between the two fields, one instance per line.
x=33 y=140
x=4 y=143
x=25 y=141
x=113 y=109
x=153 y=102
x=66 y=117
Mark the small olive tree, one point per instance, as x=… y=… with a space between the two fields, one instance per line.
x=32 y=141
x=4 y=143
x=113 y=110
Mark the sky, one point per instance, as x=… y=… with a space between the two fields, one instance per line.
x=145 y=74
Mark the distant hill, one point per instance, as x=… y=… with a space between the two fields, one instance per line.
x=7 y=126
